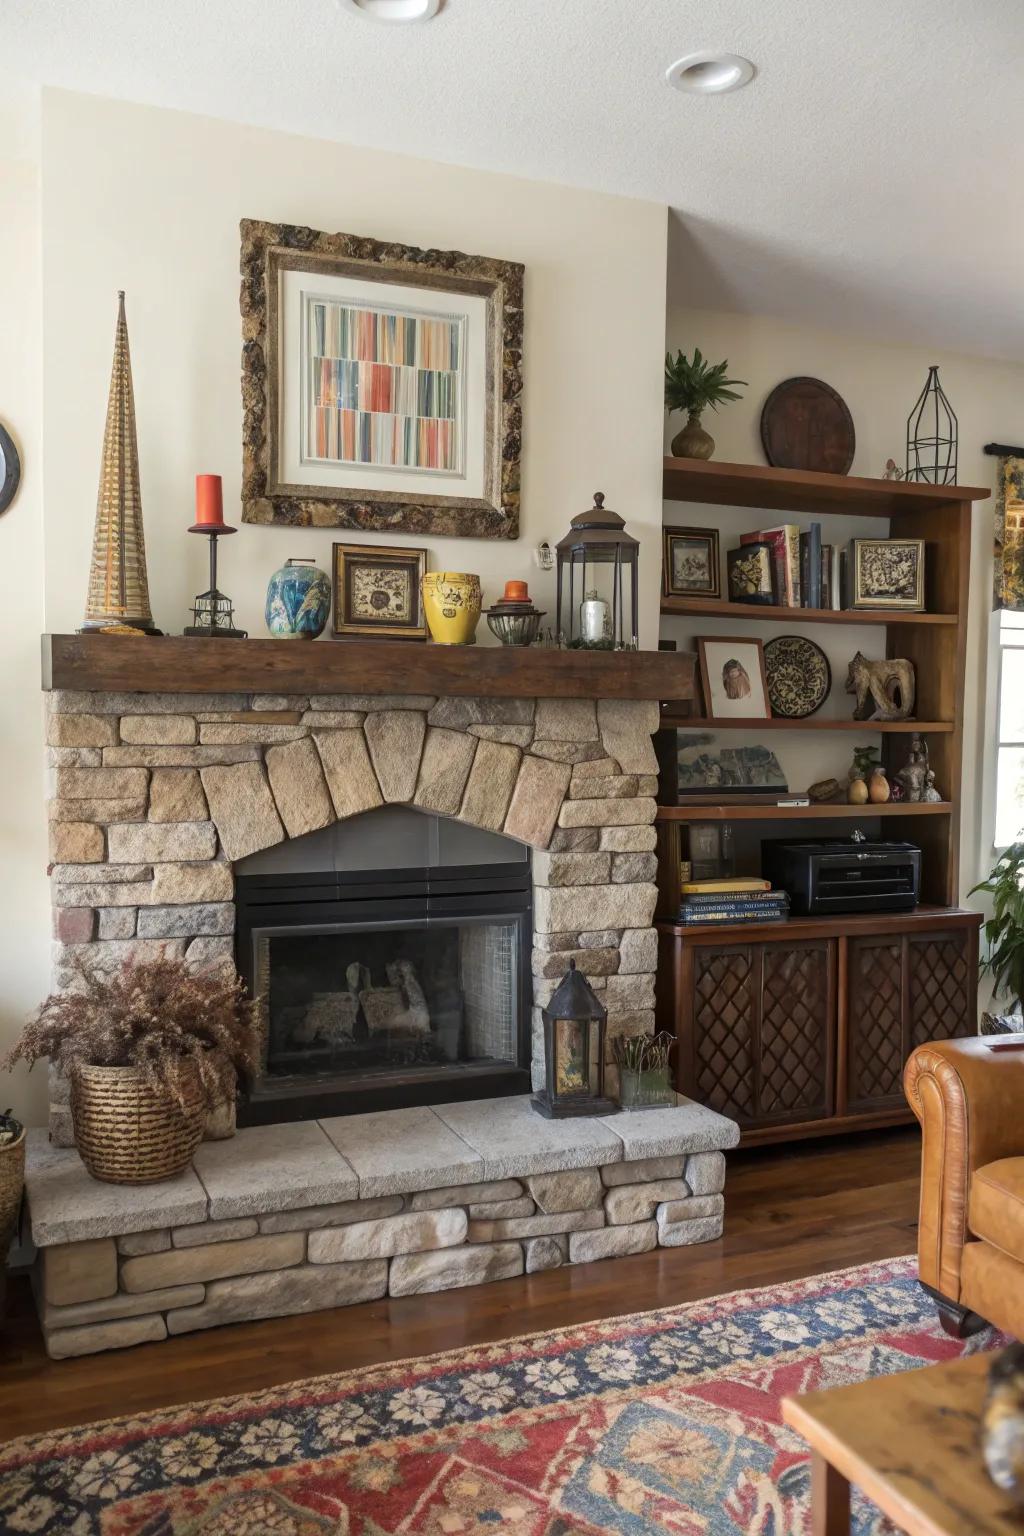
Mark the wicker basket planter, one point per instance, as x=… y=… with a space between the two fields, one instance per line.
x=126 y=1133
x=12 y=1182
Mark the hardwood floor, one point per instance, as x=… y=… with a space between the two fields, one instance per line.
x=790 y=1211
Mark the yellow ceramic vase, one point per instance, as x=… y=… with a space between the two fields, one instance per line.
x=452 y=602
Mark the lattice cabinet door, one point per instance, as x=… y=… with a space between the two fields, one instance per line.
x=717 y=1040
x=942 y=990
x=875 y=1022
x=795 y=1028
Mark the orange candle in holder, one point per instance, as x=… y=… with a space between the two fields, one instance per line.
x=516 y=592
x=209 y=506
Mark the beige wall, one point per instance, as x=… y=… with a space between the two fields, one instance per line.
x=149 y=201
x=24 y=898
x=879 y=384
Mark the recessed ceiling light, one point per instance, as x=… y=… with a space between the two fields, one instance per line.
x=710 y=74
x=394 y=10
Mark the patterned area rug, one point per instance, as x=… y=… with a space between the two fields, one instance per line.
x=664 y=1422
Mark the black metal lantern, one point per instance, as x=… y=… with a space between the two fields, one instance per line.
x=574 y=1030
x=594 y=558
x=932 y=435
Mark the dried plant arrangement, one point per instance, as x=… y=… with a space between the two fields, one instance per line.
x=643 y=1053
x=173 y=1025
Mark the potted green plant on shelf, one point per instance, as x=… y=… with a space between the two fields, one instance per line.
x=692 y=385
x=149 y=1050
x=1004 y=932
x=643 y=1063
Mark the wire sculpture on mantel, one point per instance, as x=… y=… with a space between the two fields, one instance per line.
x=118 y=597
x=932 y=435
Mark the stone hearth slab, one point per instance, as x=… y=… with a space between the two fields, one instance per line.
x=688 y=1127
x=513 y=1139
x=273 y=1168
x=67 y=1205
x=399 y=1151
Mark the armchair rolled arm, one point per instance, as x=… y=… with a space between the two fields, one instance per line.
x=970 y=1102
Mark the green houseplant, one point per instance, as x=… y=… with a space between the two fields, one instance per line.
x=1004 y=930
x=149 y=1050
x=692 y=384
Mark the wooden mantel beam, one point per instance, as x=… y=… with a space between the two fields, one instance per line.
x=97 y=663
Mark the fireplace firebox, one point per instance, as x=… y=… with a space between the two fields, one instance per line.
x=390 y=954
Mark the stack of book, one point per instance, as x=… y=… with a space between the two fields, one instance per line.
x=742 y=899
x=806 y=570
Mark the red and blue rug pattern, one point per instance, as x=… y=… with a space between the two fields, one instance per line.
x=666 y=1422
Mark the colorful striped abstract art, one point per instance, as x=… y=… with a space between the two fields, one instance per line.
x=385 y=388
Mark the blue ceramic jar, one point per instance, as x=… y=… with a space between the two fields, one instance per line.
x=298 y=601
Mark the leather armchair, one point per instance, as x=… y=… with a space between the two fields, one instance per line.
x=970 y=1102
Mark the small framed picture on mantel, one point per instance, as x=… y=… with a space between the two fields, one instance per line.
x=377 y=592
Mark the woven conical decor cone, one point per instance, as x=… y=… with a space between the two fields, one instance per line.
x=118 y=585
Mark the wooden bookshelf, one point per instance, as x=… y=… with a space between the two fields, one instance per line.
x=718 y=608
x=802 y=1027
x=776 y=723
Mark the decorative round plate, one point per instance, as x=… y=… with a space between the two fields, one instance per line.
x=805 y=424
x=10 y=470
x=799 y=676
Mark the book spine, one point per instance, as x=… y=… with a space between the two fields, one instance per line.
x=711 y=919
x=780 y=904
x=792 y=534
x=703 y=892
x=812 y=587
x=826 y=575
x=723 y=898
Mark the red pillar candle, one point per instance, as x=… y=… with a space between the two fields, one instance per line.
x=516 y=592
x=209 y=502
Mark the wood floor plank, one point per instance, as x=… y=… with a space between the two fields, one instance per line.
x=790 y=1212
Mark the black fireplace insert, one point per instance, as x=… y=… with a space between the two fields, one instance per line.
x=387 y=984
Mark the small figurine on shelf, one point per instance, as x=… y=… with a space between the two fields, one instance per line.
x=885 y=690
x=917 y=777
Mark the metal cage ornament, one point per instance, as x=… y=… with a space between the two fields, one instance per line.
x=932 y=432
x=575 y=1023
x=596 y=553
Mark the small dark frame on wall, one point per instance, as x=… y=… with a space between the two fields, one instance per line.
x=691 y=565
x=442 y=335
x=10 y=469
x=378 y=592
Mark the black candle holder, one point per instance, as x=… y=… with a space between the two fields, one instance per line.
x=213 y=615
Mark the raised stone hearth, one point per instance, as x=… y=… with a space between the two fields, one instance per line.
x=311 y=1215
x=156 y=795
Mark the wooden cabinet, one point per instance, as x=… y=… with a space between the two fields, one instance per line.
x=807 y=1031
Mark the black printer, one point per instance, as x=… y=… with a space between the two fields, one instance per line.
x=844 y=875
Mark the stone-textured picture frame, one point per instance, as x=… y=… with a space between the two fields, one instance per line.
x=267 y=250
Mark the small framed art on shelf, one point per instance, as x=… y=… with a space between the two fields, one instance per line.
x=733 y=677
x=690 y=563
x=377 y=592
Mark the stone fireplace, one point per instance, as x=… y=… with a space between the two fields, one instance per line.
x=404 y=878
x=168 y=806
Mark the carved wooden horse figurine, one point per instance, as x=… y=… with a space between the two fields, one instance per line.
x=885 y=689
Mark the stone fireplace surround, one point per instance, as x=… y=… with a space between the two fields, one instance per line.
x=154 y=797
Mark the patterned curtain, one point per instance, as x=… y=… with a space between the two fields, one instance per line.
x=1008 y=572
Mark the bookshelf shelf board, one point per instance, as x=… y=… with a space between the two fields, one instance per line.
x=771 y=812
x=848 y=923
x=812 y=723
x=801 y=490
x=718 y=608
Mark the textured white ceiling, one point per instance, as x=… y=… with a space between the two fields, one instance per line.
x=869 y=178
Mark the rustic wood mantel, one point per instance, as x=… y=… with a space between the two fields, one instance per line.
x=97 y=663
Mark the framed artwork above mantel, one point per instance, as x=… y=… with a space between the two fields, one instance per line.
x=381 y=385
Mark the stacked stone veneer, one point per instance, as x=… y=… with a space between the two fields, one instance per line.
x=155 y=796
x=296 y=1218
